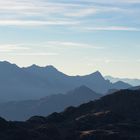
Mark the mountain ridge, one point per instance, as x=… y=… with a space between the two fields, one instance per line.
x=35 y=82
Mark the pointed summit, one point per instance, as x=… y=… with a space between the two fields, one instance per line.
x=82 y=90
x=51 y=68
x=96 y=75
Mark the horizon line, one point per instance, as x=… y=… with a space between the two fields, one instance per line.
x=43 y=66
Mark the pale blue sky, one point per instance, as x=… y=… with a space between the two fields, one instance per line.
x=76 y=36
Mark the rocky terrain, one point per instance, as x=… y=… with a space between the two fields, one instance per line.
x=113 y=117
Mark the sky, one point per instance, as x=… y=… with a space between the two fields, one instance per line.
x=76 y=36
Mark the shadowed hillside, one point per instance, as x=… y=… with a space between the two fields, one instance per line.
x=113 y=117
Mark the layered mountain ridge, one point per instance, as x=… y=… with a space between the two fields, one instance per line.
x=35 y=82
x=23 y=110
x=133 y=82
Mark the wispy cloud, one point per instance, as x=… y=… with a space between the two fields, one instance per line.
x=113 y=28
x=21 y=49
x=37 y=54
x=130 y=1
x=44 y=48
x=12 y=47
x=82 y=12
x=36 y=22
x=25 y=8
x=36 y=13
x=40 y=13
x=111 y=2
x=66 y=45
x=29 y=13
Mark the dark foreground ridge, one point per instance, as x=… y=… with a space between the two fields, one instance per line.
x=113 y=117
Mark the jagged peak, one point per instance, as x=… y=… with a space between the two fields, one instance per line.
x=97 y=73
x=34 y=66
x=48 y=67
x=6 y=63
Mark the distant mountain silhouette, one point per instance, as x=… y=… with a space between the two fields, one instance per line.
x=133 y=82
x=120 y=84
x=113 y=117
x=35 y=82
x=22 y=110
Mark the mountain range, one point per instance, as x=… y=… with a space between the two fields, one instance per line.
x=133 y=82
x=23 y=110
x=112 y=117
x=35 y=82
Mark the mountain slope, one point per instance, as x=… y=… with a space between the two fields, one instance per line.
x=17 y=84
x=113 y=117
x=22 y=110
x=35 y=82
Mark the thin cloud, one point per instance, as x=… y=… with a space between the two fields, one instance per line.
x=110 y=2
x=113 y=28
x=22 y=50
x=12 y=47
x=65 y=44
x=47 y=13
x=32 y=8
x=82 y=12
x=130 y=1
x=37 y=54
x=36 y=22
